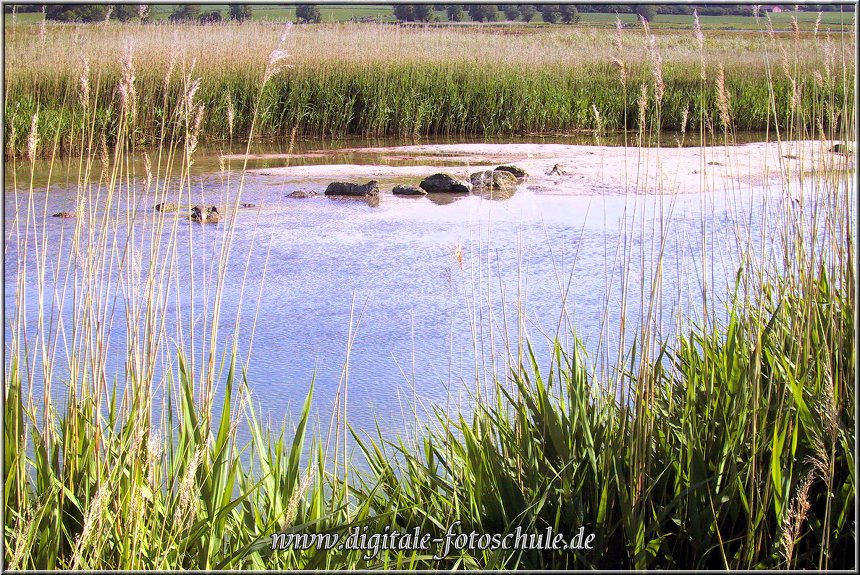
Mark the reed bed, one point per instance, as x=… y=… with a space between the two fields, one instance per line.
x=730 y=446
x=375 y=80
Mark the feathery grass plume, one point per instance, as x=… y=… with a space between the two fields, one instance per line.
x=84 y=84
x=700 y=40
x=33 y=138
x=656 y=62
x=598 y=123
x=185 y=510
x=643 y=104
x=723 y=99
x=684 y=117
x=171 y=64
x=817 y=24
x=42 y=26
x=104 y=157
x=278 y=56
x=108 y=13
x=231 y=114
x=191 y=88
x=819 y=79
x=794 y=518
x=153 y=456
x=147 y=167
x=127 y=91
x=829 y=57
x=143 y=12
x=194 y=133
x=296 y=497
x=92 y=522
x=618 y=57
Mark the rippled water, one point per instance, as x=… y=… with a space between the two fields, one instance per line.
x=426 y=322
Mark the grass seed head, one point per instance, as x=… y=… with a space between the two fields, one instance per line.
x=33 y=138
x=84 y=84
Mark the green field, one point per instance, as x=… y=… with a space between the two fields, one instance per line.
x=384 y=13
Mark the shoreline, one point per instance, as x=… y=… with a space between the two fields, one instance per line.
x=587 y=169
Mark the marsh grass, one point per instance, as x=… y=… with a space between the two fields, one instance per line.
x=383 y=80
x=726 y=443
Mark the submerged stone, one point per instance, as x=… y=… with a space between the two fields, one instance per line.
x=494 y=180
x=445 y=183
x=371 y=188
x=408 y=191
x=302 y=194
x=519 y=173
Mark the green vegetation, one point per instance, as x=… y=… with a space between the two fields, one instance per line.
x=366 y=79
x=730 y=447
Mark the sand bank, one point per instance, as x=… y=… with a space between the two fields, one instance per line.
x=586 y=170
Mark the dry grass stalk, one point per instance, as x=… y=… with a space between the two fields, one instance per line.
x=42 y=31
x=128 y=94
x=656 y=62
x=684 y=117
x=277 y=57
x=643 y=105
x=618 y=57
x=84 y=81
x=700 y=40
x=598 y=122
x=33 y=138
x=231 y=114
x=723 y=99
x=147 y=166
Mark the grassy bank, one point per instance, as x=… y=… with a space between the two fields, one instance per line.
x=386 y=80
x=727 y=446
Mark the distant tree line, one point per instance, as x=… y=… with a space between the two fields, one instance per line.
x=129 y=12
x=570 y=13
x=551 y=13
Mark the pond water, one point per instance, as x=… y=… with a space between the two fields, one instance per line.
x=429 y=285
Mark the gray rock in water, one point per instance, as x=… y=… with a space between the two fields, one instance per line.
x=445 y=183
x=557 y=170
x=408 y=191
x=166 y=207
x=494 y=180
x=519 y=173
x=247 y=206
x=302 y=194
x=371 y=188
x=65 y=215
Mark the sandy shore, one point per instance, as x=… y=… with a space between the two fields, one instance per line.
x=588 y=169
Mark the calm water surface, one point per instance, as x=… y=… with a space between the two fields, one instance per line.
x=309 y=269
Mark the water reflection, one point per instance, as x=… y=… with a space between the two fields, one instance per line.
x=417 y=272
